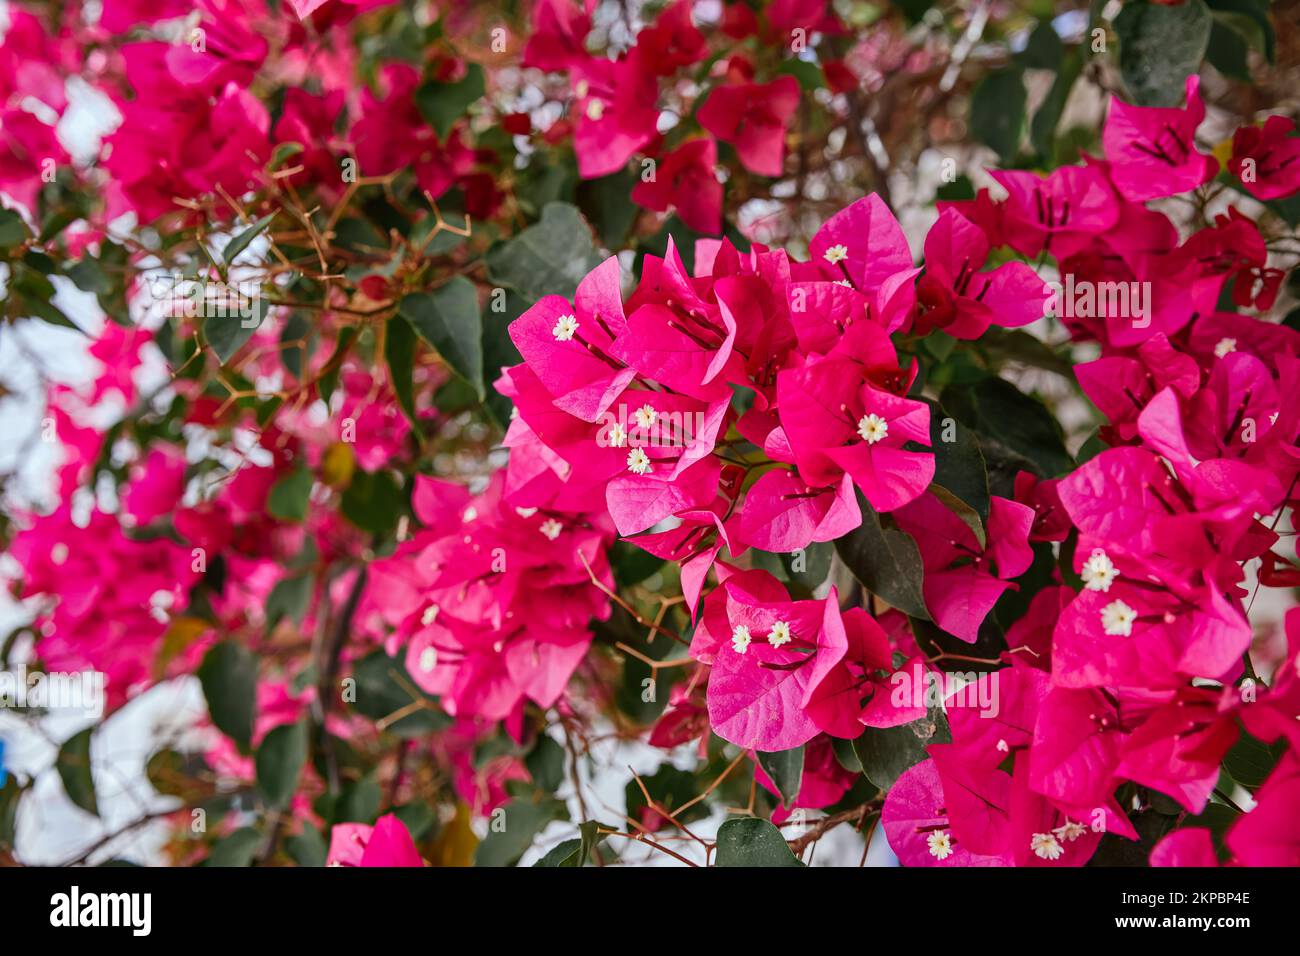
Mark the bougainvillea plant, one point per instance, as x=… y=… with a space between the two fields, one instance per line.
x=589 y=432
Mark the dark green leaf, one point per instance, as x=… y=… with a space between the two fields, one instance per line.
x=288 y=600
x=441 y=104
x=240 y=242
x=545 y=764
x=289 y=496
x=308 y=847
x=12 y=229
x=785 y=770
x=399 y=353
x=574 y=853
x=997 y=112
x=280 y=759
x=360 y=801
x=448 y=319
x=74 y=770
x=997 y=410
x=549 y=258
x=372 y=502
x=886 y=561
x=1042 y=129
x=1250 y=760
x=958 y=461
x=383 y=688
x=227 y=334
x=1159 y=47
x=229 y=678
x=886 y=753
x=752 y=842
x=236 y=849
x=512 y=829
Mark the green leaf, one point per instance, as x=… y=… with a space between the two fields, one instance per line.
x=1250 y=760
x=548 y=258
x=280 y=759
x=448 y=319
x=307 y=848
x=574 y=853
x=12 y=229
x=669 y=788
x=360 y=801
x=886 y=561
x=441 y=104
x=1000 y=412
x=73 y=764
x=1160 y=46
x=1044 y=49
x=786 y=771
x=512 y=829
x=1228 y=50
x=1258 y=33
x=289 y=496
x=1042 y=129
x=237 y=849
x=384 y=687
x=752 y=842
x=229 y=678
x=399 y=353
x=372 y=502
x=968 y=515
x=997 y=112
x=886 y=753
x=545 y=764
x=289 y=599
x=958 y=461
x=241 y=242
x=607 y=203
x=227 y=334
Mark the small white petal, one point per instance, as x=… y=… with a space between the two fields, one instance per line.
x=740 y=639
x=872 y=428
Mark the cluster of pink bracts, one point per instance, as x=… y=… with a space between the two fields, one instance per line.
x=1137 y=677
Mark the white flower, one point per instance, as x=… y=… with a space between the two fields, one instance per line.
x=1069 y=831
x=836 y=254
x=551 y=528
x=844 y=282
x=780 y=634
x=525 y=512
x=428 y=659
x=565 y=328
x=638 y=462
x=872 y=428
x=1046 y=846
x=617 y=435
x=595 y=109
x=740 y=639
x=1117 y=619
x=1224 y=346
x=430 y=615
x=940 y=844
x=470 y=514
x=645 y=416
x=1098 y=571
x=59 y=553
